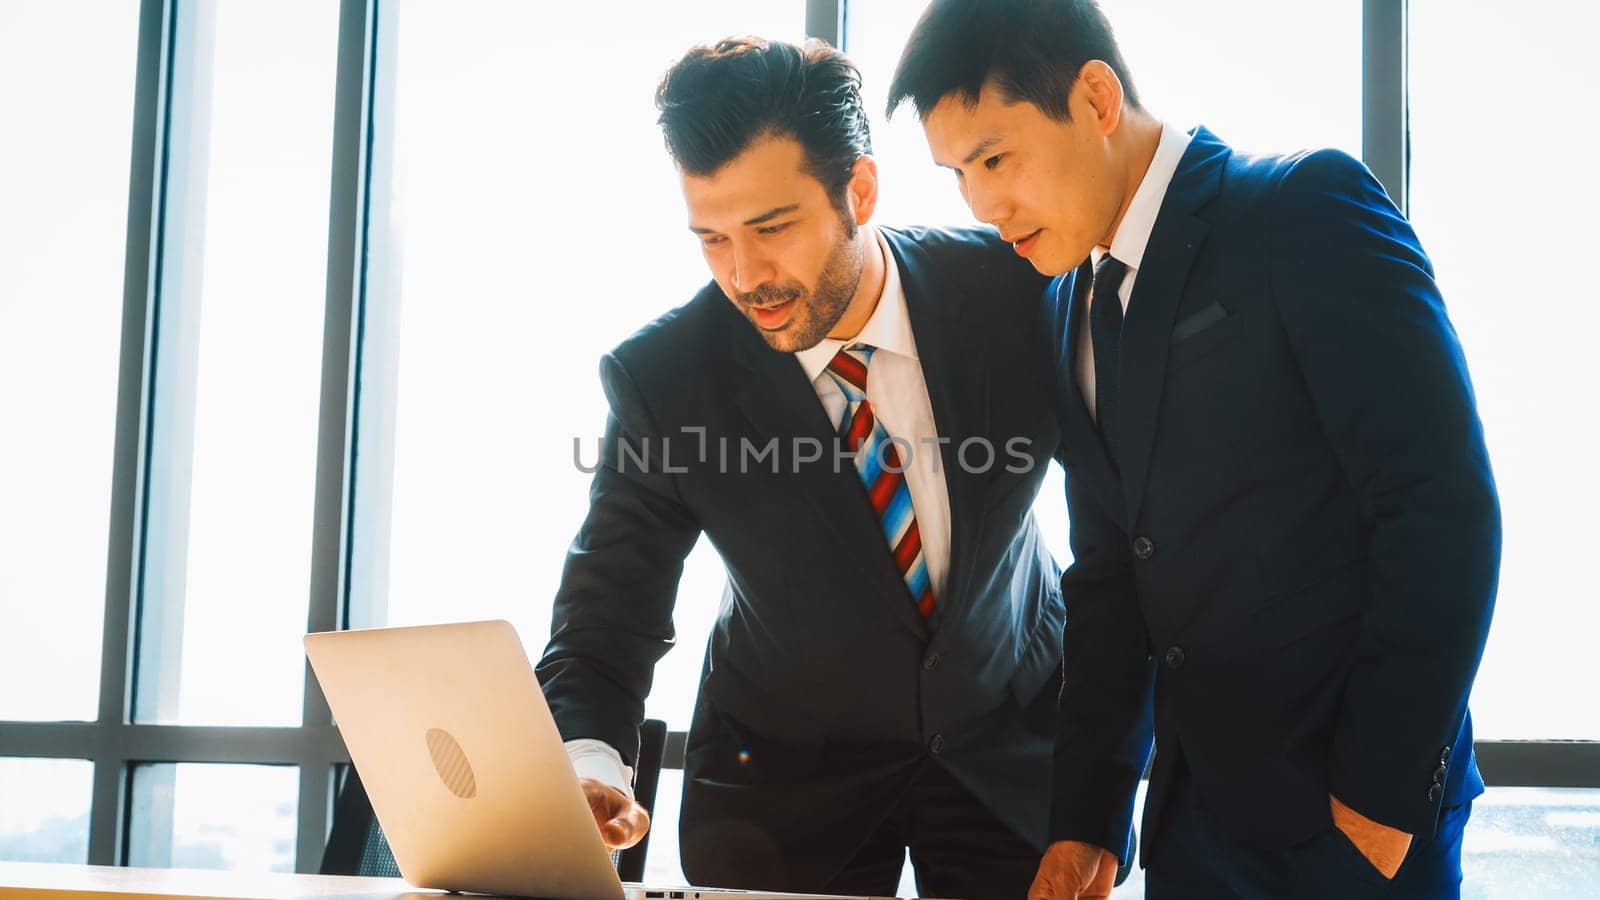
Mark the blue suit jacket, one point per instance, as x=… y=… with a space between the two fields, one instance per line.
x=823 y=690
x=1295 y=561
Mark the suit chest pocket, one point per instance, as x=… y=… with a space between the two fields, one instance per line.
x=1201 y=333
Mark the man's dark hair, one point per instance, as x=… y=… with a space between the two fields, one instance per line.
x=719 y=98
x=1033 y=49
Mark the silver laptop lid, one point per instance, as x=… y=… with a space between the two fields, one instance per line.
x=462 y=761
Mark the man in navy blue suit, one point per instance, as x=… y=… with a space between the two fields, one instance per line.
x=1285 y=530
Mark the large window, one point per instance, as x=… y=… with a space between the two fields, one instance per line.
x=229 y=817
x=534 y=226
x=193 y=816
x=1501 y=196
x=1532 y=842
x=167 y=323
x=238 y=363
x=63 y=210
x=45 y=813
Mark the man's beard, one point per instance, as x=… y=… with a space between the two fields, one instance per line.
x=816 y=311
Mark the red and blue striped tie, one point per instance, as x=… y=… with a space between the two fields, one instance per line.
x=882 y=473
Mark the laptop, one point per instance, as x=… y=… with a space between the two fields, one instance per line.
x=467 y=774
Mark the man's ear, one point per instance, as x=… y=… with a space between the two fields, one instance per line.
x=1101 y=90
x=862 y=191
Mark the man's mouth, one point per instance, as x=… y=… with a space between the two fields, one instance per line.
x=1024 y=245
x=772 y=318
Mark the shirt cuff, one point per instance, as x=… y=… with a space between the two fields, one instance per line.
x=600 y=761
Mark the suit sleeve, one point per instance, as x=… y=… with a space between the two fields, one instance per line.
x=612 y=618
x=1105 y=724
x=1386 y=376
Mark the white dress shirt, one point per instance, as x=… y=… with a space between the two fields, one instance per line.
x=1128 y=244
x=898 y=393
x=899 y=397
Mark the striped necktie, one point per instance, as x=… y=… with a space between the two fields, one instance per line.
x=882 y=472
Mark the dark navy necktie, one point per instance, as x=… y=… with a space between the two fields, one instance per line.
x=1105 y=331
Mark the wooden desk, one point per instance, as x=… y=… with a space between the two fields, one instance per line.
x=53 y=881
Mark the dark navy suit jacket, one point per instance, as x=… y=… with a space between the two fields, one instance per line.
x=1295 y=559
x=823 y=690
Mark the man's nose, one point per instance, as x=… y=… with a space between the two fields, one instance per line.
x=988 y=206
x=750 y=270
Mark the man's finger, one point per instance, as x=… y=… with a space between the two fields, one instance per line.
x=1102 y=880
x=1054 y=883
x=627 y=828
x=1071 y=870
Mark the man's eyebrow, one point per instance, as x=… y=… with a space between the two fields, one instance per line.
x=982 y=148
x=764 y=217
x=772 y=214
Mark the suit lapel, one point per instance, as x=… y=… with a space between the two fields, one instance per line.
x=780 y=404
x=1083 y=442
x=1174 y=242
x=950 y=348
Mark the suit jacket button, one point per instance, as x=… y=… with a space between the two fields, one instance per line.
x=1143 y=547
x=1438 y=775
x=1444 y=757
x=937 y=744
x=932 y=662
x=1174 y=657
x=1435 y=791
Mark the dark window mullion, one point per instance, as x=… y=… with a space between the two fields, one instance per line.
x=146 y=188
x=825 y=19
x=1384 y=135
x=338 y=428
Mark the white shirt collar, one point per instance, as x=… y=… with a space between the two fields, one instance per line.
x=887 y=329
x=1133 y=234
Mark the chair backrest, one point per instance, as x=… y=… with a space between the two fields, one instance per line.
x=646 y=775
x=356 y=845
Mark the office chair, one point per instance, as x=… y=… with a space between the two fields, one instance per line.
x=356 y=845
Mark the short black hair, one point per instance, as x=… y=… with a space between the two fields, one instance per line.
x=1033 y=49
x=719 y=98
